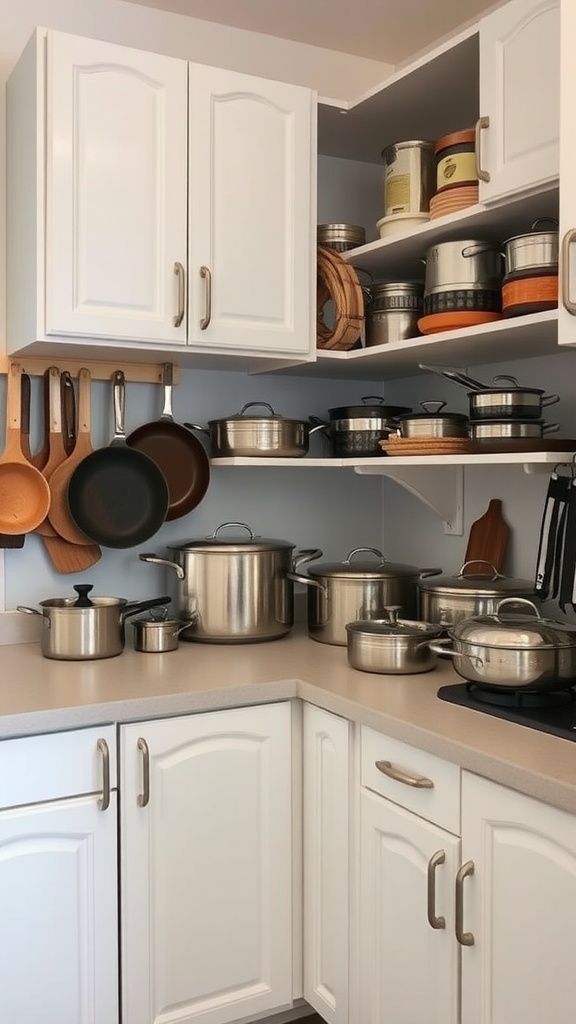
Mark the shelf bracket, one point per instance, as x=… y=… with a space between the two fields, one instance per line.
x=441 y=488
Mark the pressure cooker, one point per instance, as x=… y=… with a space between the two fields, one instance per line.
x=233 y=588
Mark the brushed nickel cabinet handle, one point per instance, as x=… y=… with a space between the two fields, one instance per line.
x=207 y=276
x=179 y=271
x=104 y=801
x=435 y=860
x=144 y=796
x=482 y=122
x=417 y=781
x=466 y=871
x=569 y=237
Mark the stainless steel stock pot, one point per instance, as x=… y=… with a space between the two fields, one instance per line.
x=234 y=588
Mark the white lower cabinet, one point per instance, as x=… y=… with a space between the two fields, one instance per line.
x=206 y=866
x=408 y=959
x=58 y=868
x=519 y=906
x=326 y=832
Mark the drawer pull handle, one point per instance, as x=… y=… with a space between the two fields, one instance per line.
x=179 y=271
x=569 y=237
x=435 y=860
x=482 y=122
x=466 y=871
x=144 y=796
x=104 y=801
x=207 y=276
x=417 y=781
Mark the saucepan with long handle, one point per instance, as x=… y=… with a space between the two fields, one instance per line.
x=24 y=493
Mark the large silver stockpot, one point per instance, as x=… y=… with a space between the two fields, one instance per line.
x=252 y=436
x=343 y=592
x=234 y=588
x=85 y=628
x=513 y=650
x=476 y=589
x=391 y=646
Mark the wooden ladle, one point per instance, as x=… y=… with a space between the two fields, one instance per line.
x=24 y=493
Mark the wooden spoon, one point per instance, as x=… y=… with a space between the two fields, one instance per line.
x=60 y=517
x=56 y=448
x=24 y=493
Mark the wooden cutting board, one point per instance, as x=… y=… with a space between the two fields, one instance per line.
x=488 y=537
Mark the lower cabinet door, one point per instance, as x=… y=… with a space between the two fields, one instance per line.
x=520 y=907
x=206 y=866
x=58 y=913
x=408 y=961
x=326 y=863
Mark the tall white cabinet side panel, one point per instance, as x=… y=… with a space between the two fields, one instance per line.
x=519 y=92
x=520 y=905
x=206 y=866
x=250 y=212
x=116 y=189
x=326 y=863
x=59 y=920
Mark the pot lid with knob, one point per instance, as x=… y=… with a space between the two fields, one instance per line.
x=486 y=580
x=511 y=629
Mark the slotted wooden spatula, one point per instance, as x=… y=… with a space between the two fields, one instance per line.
x=488 y=537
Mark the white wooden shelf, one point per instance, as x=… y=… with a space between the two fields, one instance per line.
x=436 y=480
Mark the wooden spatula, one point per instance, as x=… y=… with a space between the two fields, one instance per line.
x=17 y=540
x=488 y=537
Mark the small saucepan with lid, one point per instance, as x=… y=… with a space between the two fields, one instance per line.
x=391 y=646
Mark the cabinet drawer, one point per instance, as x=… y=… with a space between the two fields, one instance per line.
x=439 y=802
x=55 y=765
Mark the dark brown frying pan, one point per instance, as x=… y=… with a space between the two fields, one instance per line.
x=118 y=496
x=177 y=452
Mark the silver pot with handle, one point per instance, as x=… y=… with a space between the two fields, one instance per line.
x=243 y=436
x=342 y=592
x=86 y=628
x=391 y=646
x=476 y=589
x=514 y=649
x=158 y=636
x=234 y=588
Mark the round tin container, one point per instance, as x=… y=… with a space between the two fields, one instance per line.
x=455 y=158
x=408 y=177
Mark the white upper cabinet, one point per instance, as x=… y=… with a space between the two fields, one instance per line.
x=114 y=165
x=251 y=213
x=520 y=97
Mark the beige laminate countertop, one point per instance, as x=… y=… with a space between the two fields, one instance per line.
x=41 y=695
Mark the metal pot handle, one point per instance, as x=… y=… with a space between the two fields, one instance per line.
x=508 y=377
x=481 y=561
x=250 y=405
x=429 y=407
x=355 y=551
x=517 y=600
x=478 y=249
x=29 y=611
x=550 y=399
x=545 y=220
x=305 y=555
x=439 y=647
x=212 y=536
x=550 y=428
x=156 y=560
x=376 y=399
x=307 y=581
x=196 y=426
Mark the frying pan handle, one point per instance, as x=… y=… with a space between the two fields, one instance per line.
x=156 y=560
x=133 y=607
x=119 y=403
x=168 y=383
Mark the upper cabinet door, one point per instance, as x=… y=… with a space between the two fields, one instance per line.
x=252 y=214
x=116 y=191
x=519 y=94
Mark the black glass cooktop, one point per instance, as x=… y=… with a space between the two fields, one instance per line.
x=550 y=711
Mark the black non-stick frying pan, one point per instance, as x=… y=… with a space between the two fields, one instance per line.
x=118 y=496
x=177 y=452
